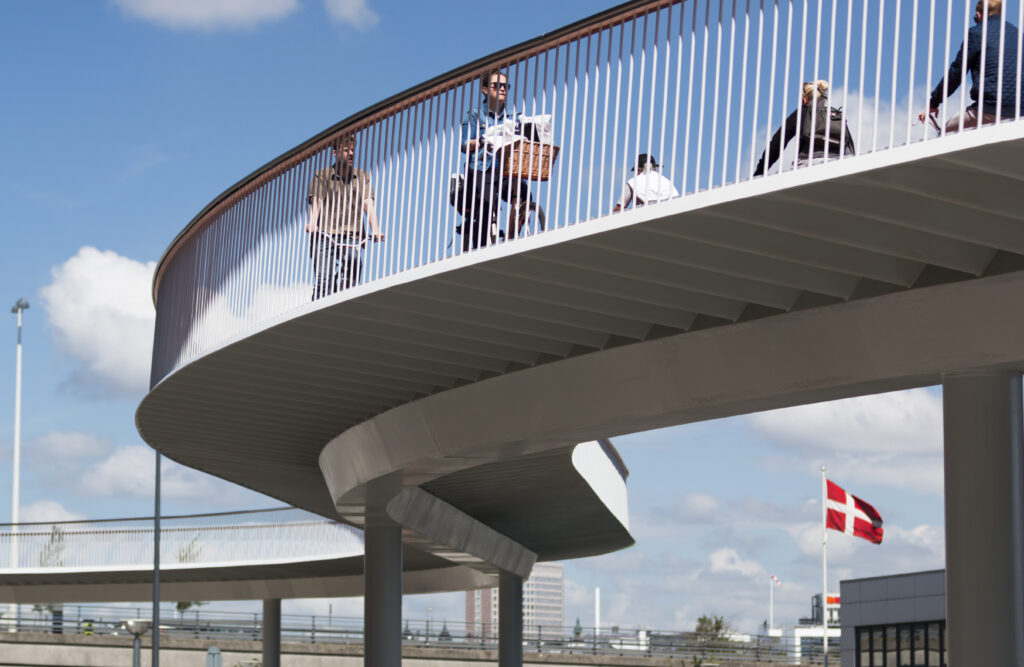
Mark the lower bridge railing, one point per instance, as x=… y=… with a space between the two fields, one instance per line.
x=197 y=623
x=185 y=541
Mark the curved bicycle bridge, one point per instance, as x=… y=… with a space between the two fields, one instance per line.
x=438 y=402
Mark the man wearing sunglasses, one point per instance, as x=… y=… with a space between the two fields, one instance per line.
x=484 y=182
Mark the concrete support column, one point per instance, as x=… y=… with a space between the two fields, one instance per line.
x=984 y=468
x=382 y=601
x=510 y=620
x=272 y=633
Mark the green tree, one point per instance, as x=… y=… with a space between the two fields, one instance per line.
x=185 y=605
x=52 y=554
x=189 y=554
x=712 y=626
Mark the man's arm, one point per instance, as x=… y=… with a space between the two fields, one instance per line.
x=777 y=144
x=313 y=215
x=314 y=204
x=370 y=208
x=952 y=79
x=471 y=132
x=627 y=196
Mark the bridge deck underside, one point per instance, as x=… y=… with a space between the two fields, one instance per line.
x=258 y=412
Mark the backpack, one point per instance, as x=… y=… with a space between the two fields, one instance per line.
x=836 y=125
x=831 y=123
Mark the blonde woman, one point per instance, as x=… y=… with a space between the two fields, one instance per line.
x=831 y=133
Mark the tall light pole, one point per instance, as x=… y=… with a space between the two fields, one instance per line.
x=21 y=305
x=155 y=660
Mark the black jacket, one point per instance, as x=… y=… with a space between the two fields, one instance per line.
x=806 y=148
x=993 y=81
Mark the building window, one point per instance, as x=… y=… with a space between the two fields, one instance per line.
x=904 y=645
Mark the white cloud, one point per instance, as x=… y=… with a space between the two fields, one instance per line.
x=220 y=319
x=102 y=315
x=47 y=511
x=338 y=608
x=890 y=439
x=914 y=549
x=726 y=560
x=438 y=607
x=208 y=14
x=889 y=127
x=576 y=596
x=698 y=505
x=129 y=471
x=59 y=445
x=902 y=422
x=669 y=592
x=356 y=13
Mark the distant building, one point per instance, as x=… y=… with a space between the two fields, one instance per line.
x=543 y=604
x=807 y=641
x=833 y=611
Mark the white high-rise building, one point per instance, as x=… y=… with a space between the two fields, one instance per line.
x=543 y=604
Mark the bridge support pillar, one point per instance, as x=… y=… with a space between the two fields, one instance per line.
x=510 y=620
x=272 y=633
x=984 y=470
x=382 y=601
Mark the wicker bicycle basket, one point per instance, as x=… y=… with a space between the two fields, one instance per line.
x=529 y=160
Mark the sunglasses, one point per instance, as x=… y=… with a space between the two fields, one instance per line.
x=499 y=86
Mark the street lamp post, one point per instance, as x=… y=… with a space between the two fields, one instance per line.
x=137 y=627
x=21 y=305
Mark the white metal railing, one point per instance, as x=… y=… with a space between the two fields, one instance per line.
x=700 y=84
x=201 y=623
x=185 y=541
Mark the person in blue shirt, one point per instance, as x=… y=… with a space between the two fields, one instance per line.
x=986 y=34
x=484 y=181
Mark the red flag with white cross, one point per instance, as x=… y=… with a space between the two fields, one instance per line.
x=849 y=514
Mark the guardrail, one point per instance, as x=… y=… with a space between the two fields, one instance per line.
x=201 y=624
x=185 y=541
x=700 y=85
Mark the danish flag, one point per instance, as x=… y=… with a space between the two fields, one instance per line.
x=849 y=514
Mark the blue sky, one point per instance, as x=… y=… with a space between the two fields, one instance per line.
x=125 y=117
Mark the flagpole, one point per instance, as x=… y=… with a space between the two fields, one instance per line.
x=824 y=566
x=771 y=606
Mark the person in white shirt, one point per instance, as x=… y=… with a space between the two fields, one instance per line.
x=647 y=187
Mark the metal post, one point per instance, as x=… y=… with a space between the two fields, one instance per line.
x=272 y=633
x=824 y=567
x=18 y=307
x=984 y=479
x=156 y=565
x=382 y=601
x=136 y=651
x=510 y=620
